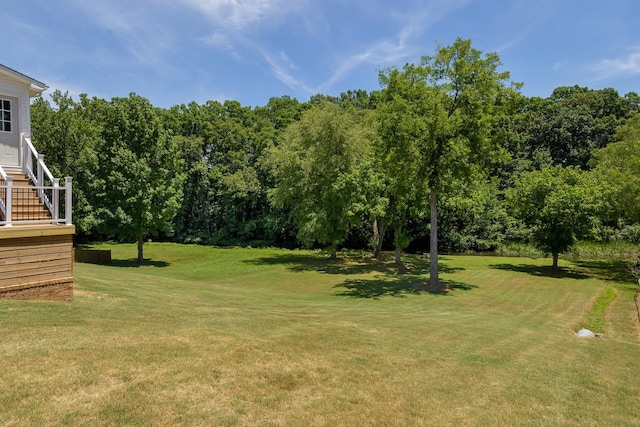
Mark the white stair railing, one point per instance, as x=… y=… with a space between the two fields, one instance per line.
x=31 y=158
x=6 y=185
x=47 y=187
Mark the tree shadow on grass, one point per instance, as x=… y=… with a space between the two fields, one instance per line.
x=133 y=263
x=351 y=264
x=378 y=288
x=342 y=265
x=542 y=271
x=389 y=280
x=611 y=271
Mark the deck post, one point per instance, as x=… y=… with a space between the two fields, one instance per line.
x=68 y=200
x=8 y=203
x=56 y=200
x=40 y=175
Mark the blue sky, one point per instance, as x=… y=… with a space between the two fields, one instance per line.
x=178 y=51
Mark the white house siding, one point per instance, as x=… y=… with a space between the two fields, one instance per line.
x=20 y=90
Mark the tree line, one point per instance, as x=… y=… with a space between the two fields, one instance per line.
x=447 y=154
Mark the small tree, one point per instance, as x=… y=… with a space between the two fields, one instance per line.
x=558 y=204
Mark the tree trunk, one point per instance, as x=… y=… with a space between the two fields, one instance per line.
x=433 y=270
x=555 y=260
x=334 y=252
x=140 y=253
x=378 y=237
x=398 y=250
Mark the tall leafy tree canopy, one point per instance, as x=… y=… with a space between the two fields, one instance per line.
x=140 y=174
x=436 y=119
x=67 y=132
x=618 y=168
x=432 y=153
x=315 y=166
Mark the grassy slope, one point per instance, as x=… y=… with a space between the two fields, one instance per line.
x=210 y=336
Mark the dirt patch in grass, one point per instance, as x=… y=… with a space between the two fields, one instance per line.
x=82 y=293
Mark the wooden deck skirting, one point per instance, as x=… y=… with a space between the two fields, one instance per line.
x=36 y=262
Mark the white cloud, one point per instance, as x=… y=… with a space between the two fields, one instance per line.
x=237 y=27
x=628 y=65
x=223 y=42
x=218 y=40
x=512 y=42
x=240 y=27
x=526 y=18
x=286 y=60
x=419 y=20
x=242 y=15
x=381 y=53
x=404 y=44
x=280 y=70
x=141 y=27
x=559 y=65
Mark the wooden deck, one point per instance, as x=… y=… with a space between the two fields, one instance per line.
x=36 y=262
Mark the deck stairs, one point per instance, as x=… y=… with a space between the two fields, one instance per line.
x=30 y=195
x=27 y=206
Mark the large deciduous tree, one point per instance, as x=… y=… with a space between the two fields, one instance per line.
x=618 y=167
x=140 y=172
x=565 y=128
x=408 y=113
x=576 y=121
x=436 y=118
x=66 y=134
x=316 y=169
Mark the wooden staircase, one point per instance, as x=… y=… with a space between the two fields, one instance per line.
x=27 y=208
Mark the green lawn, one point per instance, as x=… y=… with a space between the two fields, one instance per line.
x=205 y=336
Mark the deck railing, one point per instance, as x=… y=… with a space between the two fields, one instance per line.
x=4 y=182
x=46 y=187
x=33 y=166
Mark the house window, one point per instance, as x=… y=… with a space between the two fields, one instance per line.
x=5 y=115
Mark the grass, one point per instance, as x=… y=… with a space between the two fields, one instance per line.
x=205 y=336
x=596 y=321
x=617 y=250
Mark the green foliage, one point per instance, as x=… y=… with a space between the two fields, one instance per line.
x=140 y=176
x=477 y=95
x=618 y=167
x=451 y=128
x=226 y=187
x=316 y=168
x=629 y=233
x=634 y=268
x=618 y=250
x=474 y=218
x=192 y=222
x=565 y=128
x=435 y=122
x=67 y=137
x=558 y=204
